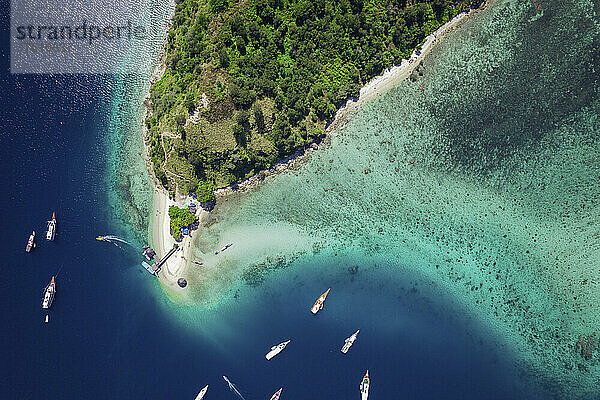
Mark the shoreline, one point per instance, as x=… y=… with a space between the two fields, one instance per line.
x=377 y=86
x=162 y=241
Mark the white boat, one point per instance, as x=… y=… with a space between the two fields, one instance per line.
x=49 y=294
x=202 y=393
x=51 y=228
x=276 y=394
x=319 y=303
x=30 y=242
x=349 y=342
x=277 y=349
x=46 y=320
x=364 y=386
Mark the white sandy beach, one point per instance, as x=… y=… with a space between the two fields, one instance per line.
x=162 y=240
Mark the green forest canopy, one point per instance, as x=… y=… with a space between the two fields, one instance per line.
x=180 y=217
x=250 y=82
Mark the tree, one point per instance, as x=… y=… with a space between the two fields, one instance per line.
x=259 y=118
x=206 y=192
x=180 y=217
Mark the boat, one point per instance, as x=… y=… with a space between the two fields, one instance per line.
x=202 y=393
x=30 y=243
x=364 y=386
x=349 y=342
x=228 y=245
x=51 y=228
x=101 y=238
x=276 y=394
x=232 y=387
x=197 y=262
x=277 y=349
x=46 y=320
x=319 y=303
x=149 y=268
x=49 y=294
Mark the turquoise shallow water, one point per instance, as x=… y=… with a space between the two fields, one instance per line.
x=482 y=183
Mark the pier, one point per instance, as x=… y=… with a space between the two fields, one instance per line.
x=154 y=269
x=166 y=257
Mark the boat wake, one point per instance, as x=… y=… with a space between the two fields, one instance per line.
x=112 y=239
x=233 y=388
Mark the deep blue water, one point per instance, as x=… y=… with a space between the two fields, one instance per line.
x=112 y=334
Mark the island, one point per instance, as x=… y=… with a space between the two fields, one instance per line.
x=247 y=84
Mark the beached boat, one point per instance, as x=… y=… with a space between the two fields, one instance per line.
x=30 y=242
x=364 y=386
x=202 y=393
x=349 y=342
x=319 y=303
x=277 y=349
x=276 y=394
x=49 y=294
x=51 y=228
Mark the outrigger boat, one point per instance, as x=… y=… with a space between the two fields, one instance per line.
x=51 y=228
x=228 y=245
x=30 y=243
x=49 y=294
x=349 y=342
x=364 y=386
x=319 y=303
x=277 y=394
x=202 y=393
x=277 y=349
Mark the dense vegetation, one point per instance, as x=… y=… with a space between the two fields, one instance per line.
x=250 y=82
x=180 y=217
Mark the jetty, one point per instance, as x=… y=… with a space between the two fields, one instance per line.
x=154 y=269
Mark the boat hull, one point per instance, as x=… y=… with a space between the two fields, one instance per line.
x=51 y=228
x=276 y=394
x=30 y=242
x=202 y=393
x=364 y=387
x=49 y=293
x=319 y=303
x=276 y=350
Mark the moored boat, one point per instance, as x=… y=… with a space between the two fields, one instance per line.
x=349 y=342
x=319 y=303
x=276 y=394
x=49 y=294
x=30 y=242
x=228 y=245
x=202 y=393
x=277 y=349
x=364 y=386
x=51 y=228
